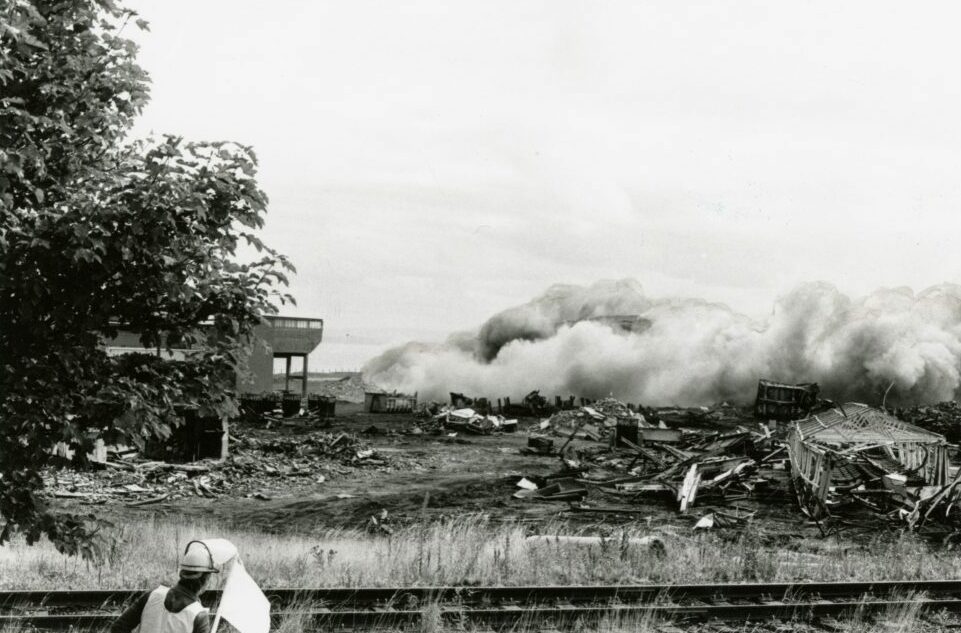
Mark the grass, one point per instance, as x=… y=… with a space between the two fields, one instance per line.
x=902 y=617
x=471 y=551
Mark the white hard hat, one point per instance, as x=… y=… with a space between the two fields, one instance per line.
x=197 y=559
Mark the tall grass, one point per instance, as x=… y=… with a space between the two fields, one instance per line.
x=901 y=617
x=471 y=551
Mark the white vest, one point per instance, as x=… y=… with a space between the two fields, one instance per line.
x=156 y=619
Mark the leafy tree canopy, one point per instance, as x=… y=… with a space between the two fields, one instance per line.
x=99 y=232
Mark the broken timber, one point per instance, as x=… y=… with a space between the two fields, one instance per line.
x=851 y=447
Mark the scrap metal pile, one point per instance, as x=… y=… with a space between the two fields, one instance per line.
x=253 y=468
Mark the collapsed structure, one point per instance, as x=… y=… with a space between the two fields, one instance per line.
x=855 y=448
x=849 y=456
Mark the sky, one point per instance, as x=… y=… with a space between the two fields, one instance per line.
x=430 y=163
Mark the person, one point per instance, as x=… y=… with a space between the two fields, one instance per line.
x=177 y=609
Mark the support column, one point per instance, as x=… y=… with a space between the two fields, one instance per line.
x=304 y=386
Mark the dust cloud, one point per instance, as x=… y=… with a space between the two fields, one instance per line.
x=668 y=351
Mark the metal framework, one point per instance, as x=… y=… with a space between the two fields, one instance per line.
x=839 y=445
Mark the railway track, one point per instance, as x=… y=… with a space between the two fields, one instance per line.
x=553 y=606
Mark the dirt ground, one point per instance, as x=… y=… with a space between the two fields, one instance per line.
x=437 y=476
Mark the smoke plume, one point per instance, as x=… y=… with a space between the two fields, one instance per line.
x=609 y=338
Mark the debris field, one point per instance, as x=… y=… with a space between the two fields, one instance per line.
x=256 y=463
x=838 y=466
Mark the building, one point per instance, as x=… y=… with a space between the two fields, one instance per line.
x=856 y=445
x=287 y=339
x=276 y=337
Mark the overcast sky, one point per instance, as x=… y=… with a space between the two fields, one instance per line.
x=430 y=163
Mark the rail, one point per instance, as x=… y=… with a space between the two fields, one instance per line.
x=391 y=607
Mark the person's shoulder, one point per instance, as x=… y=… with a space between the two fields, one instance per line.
x=202 y=621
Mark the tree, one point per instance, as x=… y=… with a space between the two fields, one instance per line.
x=97 y=233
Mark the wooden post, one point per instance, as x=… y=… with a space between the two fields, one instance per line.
x=287 y=374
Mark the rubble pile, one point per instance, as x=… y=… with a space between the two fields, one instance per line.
x=584 y=423
x=613 y=408
x=838 y=462
x=309 y=419
x=678 y=464
x=438 y=419
x=347 y=389
x=686 y=465
x=943 y=418
x=253 y=466
x=649 y=453
x=341 y=448
x=722 y=413
x=596 y=422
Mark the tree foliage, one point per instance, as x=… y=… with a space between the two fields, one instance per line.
x=98 y=232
